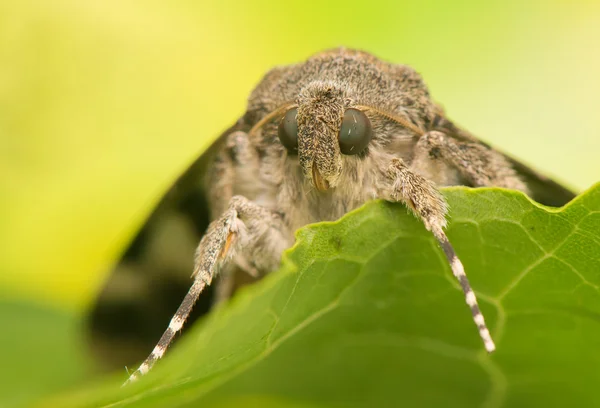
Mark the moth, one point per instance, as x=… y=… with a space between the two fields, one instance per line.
x=318 y=139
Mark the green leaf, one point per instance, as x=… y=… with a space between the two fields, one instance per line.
x=41 y=351
x=365 y=313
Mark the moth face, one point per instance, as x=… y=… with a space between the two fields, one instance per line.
x=322 y=129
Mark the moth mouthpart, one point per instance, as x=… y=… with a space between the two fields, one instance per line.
x=320 y=183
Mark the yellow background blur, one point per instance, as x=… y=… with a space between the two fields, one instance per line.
x=102 y=103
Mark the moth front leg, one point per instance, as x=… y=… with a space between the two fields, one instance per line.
x=400 y=183
x=245 y=229
x=477 y=164
x=236 y=164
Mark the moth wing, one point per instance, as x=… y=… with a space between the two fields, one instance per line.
x=543 y=189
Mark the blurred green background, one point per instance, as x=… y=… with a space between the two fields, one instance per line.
x=103 y=103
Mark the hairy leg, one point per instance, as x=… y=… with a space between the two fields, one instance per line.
x=236 y=161
x=243 y=232
x=476 y=164
x=399 y=183
x=245 y=229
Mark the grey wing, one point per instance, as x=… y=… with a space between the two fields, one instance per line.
x=543 y=189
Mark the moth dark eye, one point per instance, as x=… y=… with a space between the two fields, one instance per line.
x=355 y=133
x=288 y=131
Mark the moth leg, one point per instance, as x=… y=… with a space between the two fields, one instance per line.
x=421 y=196
x=245 y=229
x=476 y=164
x=234 y=164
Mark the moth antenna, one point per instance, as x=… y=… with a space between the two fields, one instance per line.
x=270 y=116
x=398 y=119
x=458 y=271
x=175 y=326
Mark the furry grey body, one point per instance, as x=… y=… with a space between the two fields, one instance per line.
x=265 y=174
x=260 y=193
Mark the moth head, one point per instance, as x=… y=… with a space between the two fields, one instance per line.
x=322 y=128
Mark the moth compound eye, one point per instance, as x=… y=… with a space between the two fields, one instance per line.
x=355 y=133
x=288 y=131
